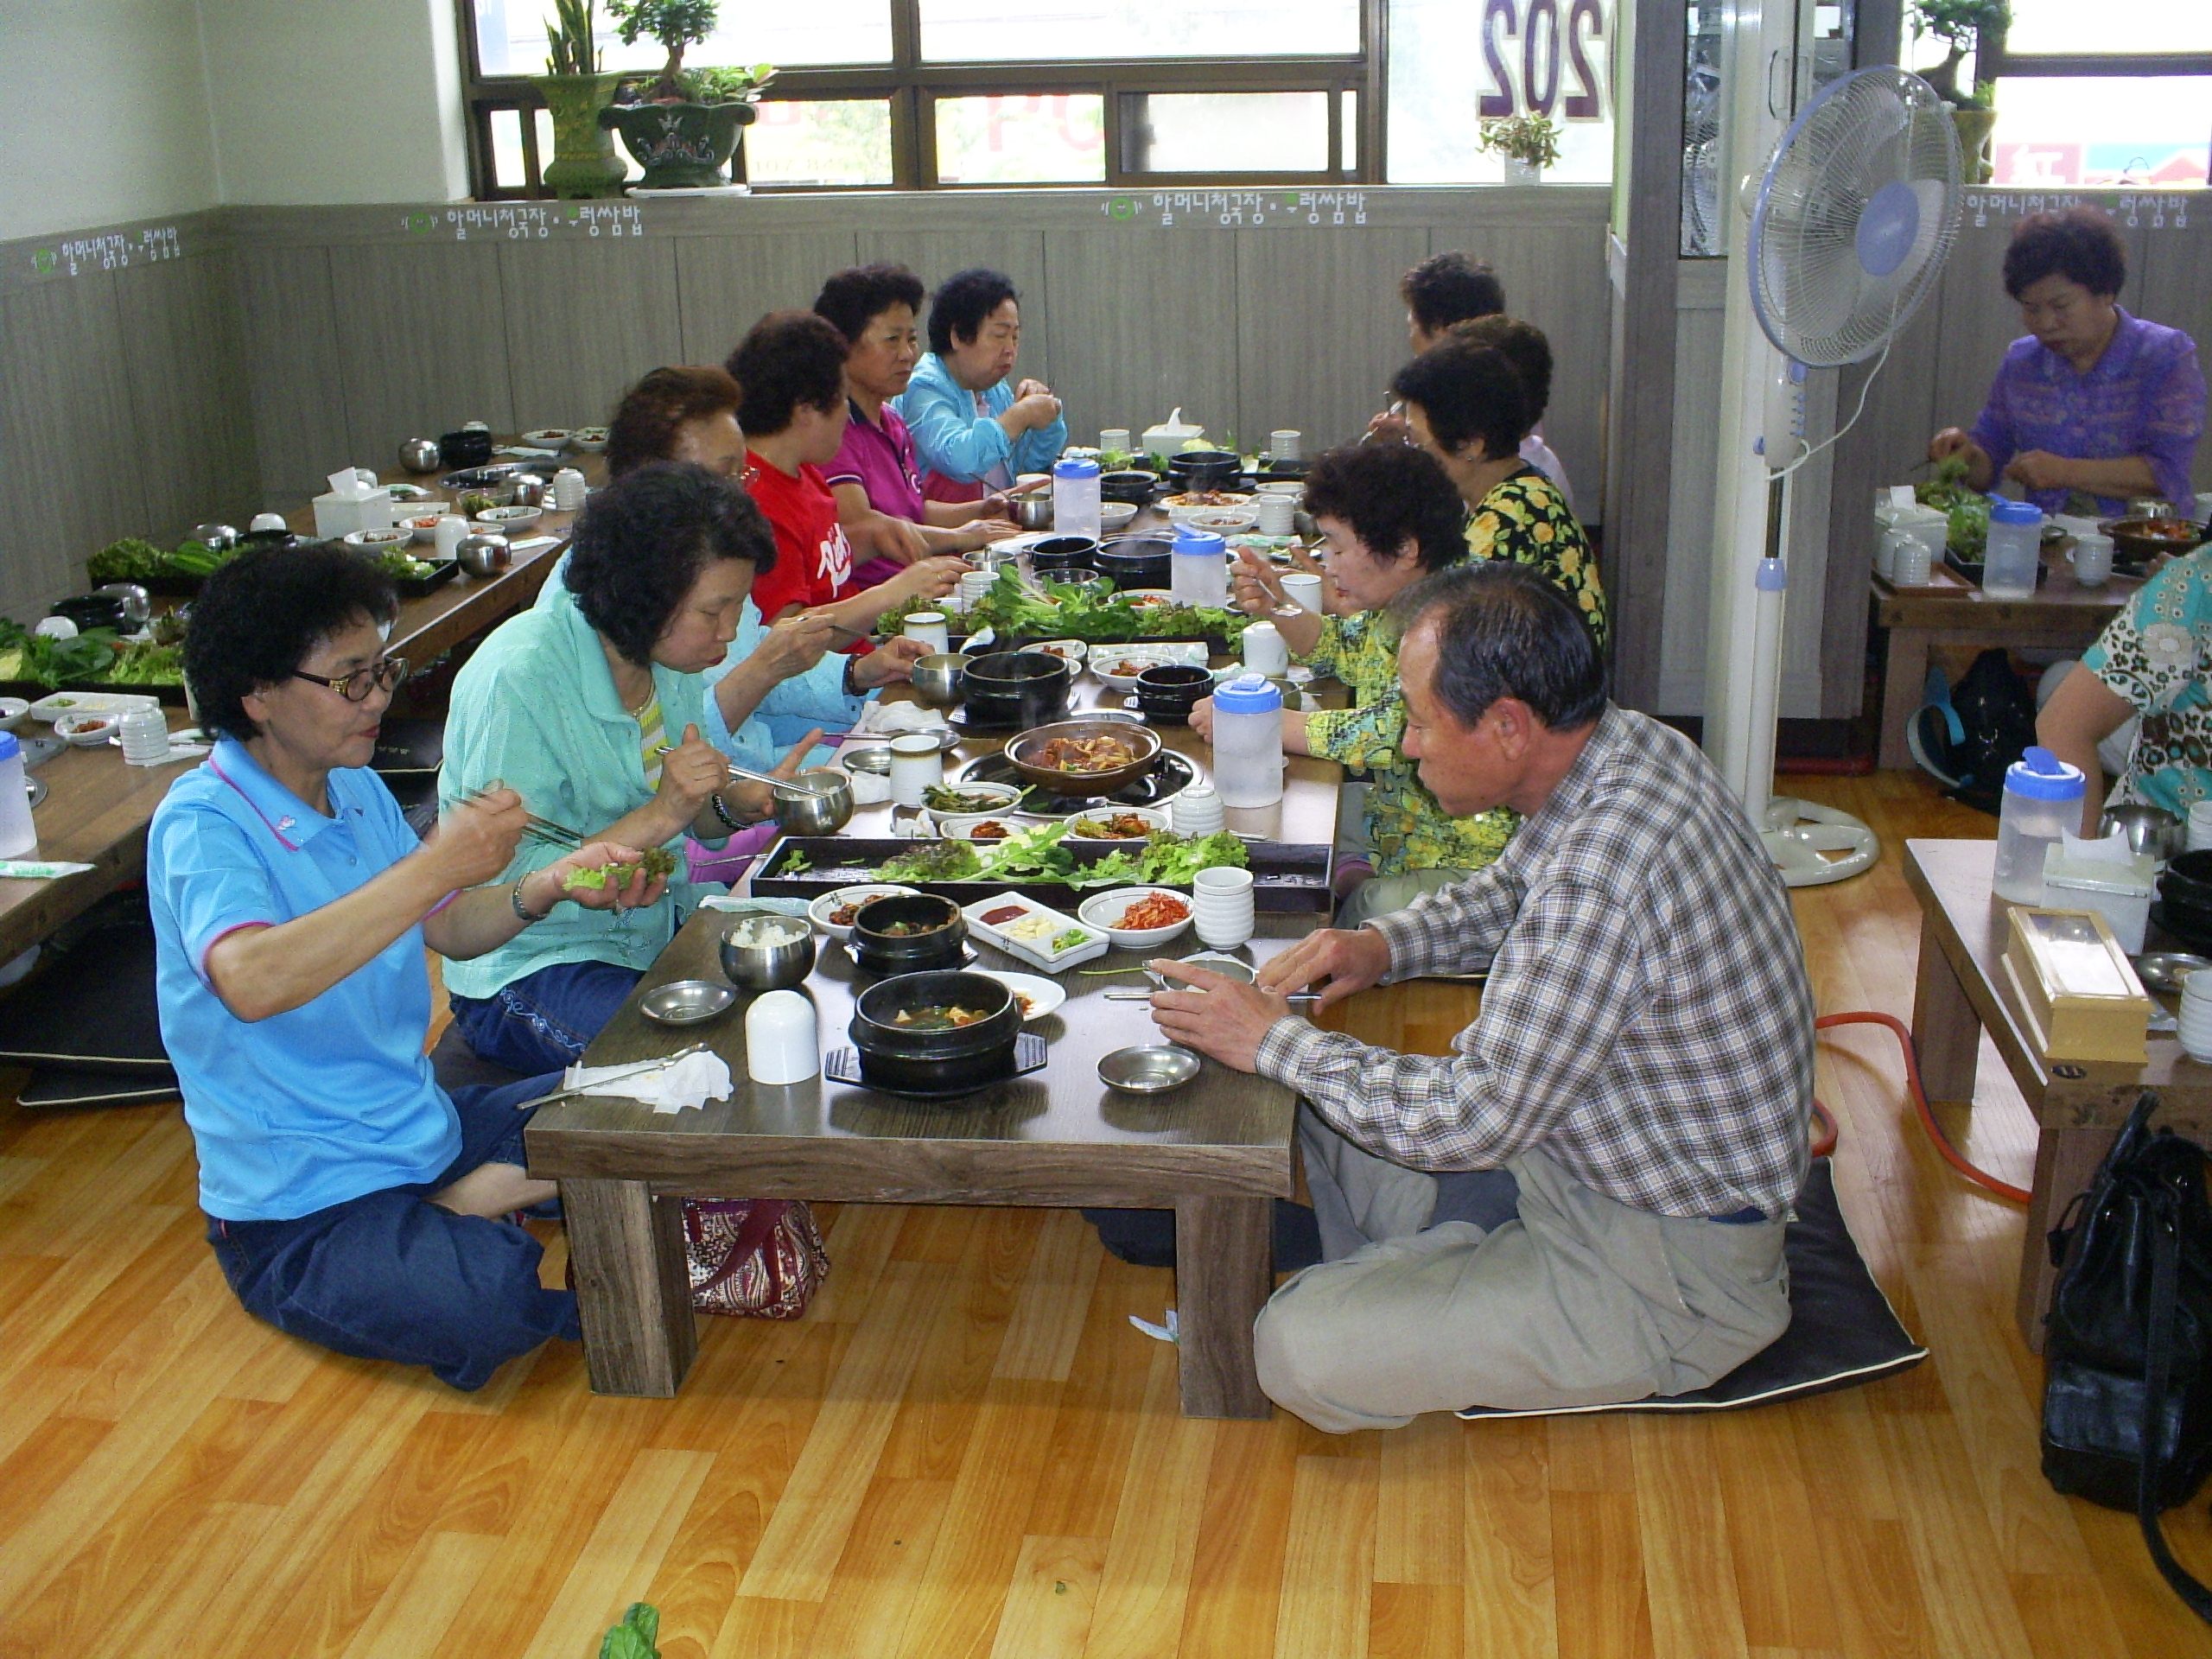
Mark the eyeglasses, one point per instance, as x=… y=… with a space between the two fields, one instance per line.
x=384 y=674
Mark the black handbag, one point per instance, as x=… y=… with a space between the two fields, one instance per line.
x=2127 y=1388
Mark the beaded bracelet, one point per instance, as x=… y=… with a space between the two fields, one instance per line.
x=722 y=812
x=514 y=897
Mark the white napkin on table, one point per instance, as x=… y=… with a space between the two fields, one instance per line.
x=692 y=1081
x=888 y=719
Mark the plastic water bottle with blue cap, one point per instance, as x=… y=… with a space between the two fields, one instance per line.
x=2013 y=553
x=1248 y=741
x=1074 y=497
x=2041 y=802
x=18 y=834
x=1198 y=567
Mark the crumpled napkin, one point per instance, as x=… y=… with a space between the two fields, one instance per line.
x=692 y=1081
x=737 y=906
x=888 y=719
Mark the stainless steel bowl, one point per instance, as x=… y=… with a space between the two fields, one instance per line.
x=778 y=965
x=2150 y=829
x=1152 y=1069
x=873 y=757
x=529 y=491
x=817 y=803
x=420 y=455
x=1033 y=512
x=936 y=679
x=483 y=554
x=2163 y=970
x=137 y=606
x=686 y=1002
x=216 y=536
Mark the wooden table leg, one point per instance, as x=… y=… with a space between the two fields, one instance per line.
x=1225 y=1271
x=1902 y=683
x=633 y=1288
x=1945 y=1028
x=2066 y=1160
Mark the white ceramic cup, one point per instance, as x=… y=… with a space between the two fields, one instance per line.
x=1305 y=590
x=1197 y=811
x=2093 y=560
x=1914 y=568
x=145 y=735
x=1276 y=514
x=569 y=490
x=446 y=535
x=1222 y=907
x=1284 y=444
x=2200 y=826
x=1266 y=652
x=916 y=763
x=780 y=1043
x=929 y=627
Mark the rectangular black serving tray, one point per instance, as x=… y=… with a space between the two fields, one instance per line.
x=1286 y=878
x=31 y=691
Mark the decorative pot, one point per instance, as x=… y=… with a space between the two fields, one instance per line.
x=1974 y=127
x=584 y=163
x=1520 y=172
x=681 y=146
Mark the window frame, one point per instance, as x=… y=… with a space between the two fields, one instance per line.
x=911 y=87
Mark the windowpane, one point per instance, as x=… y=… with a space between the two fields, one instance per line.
x=511 y=37
x=1225 y=132
x=2120 y=130
x=1351 y=130
x=2125 y=26
x=1452 y=61
x=507 y=171
x=820 y=140
x=1027 y=138
x=996 y=31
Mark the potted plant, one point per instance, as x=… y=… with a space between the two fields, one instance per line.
x=1529 y=143
x=689 y=122
x=584 y=163
x=1961 y=25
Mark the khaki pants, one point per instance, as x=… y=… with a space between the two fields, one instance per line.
x=1579 y=1301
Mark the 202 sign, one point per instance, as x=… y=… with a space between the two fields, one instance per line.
x=1550 y=35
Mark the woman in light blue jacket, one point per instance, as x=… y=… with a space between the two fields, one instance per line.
x=975 y=427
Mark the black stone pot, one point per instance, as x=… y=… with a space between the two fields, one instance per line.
x=1169 y=691
x=967 y=1057
x=1016 y=689
x=1136 y=561
x=1056 y=554
x=1204 y=469
x=465 y=449
x=1135 y=486
x=877 y=952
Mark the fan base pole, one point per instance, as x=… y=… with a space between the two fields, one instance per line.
x=1814 y=845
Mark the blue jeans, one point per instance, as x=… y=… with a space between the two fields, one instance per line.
x=543 y=1021
x=390 y=1276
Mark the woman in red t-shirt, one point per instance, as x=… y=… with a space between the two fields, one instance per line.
x=791 y=368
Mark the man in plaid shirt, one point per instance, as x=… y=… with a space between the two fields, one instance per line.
x=1585 y=1202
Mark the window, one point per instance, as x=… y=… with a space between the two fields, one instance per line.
x=929 y=94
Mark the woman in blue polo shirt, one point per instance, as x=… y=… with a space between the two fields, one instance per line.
x=350 y=1201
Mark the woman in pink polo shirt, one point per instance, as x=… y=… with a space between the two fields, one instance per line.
x=875 y=478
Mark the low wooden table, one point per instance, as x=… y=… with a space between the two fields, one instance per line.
x=2079 y=1107
x=2063 y=615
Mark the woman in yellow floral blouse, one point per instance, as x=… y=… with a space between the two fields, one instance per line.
x=1387 y=516
x=1466 y=404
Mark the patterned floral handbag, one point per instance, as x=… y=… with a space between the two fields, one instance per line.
x=753 y=1258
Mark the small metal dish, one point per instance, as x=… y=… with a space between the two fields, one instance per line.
x=1152 y=1069
x=687 y=1002
x=2163 y=970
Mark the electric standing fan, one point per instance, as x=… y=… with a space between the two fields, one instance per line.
x=1849 y=229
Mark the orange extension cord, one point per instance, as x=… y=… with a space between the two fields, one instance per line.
x=1825 y=1144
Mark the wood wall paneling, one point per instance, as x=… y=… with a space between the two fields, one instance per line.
x=583 y=321
x=421 y=344
x=726 y=283
x=69 y=432
x=193 y=408
x=292 y=363
x=1147 y=321
x=934 y=254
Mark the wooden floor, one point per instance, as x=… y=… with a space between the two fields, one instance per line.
x=965 y=1449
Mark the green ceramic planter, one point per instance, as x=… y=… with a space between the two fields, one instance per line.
x=1975 y=128
x=681 y=146
x=584 y=163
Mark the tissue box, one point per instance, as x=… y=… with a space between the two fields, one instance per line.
x=2119 y=890
x=339 y=515
x=2079 y=992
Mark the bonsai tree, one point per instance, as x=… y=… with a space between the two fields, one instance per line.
x=569 y=47
x=675 y=24
x=1960 y=24
x=1533 y=139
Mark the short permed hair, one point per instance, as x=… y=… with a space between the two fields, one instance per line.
x=1468 y=391
x=957 y=310
x=652 y=412
x=1525 y=349
x=788 y=359
x=1390 y=494
x=263 y=614
x=1448 y=288
x=645 y=539
x=2081 y=245
x=850 y=300
x=1505 y=630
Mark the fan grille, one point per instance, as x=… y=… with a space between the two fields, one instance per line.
x=1858 y=210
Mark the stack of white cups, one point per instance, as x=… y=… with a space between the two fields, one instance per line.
x=973 y=586
x=2200 y=826
x=145 y=735
x=1221 y=906
x=1197 y=811
x=2194 y=1021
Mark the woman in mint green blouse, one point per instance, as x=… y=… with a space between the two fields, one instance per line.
x=1389 y=516
x=592 y=711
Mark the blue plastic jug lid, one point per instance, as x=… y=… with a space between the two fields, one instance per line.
x=2042 y=776
x=9 y=748
x=1075 y=466
x=1248 y=694
x=2015 y=512
x=1197 y=542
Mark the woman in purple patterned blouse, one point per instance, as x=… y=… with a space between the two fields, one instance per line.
x=2093 y=402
